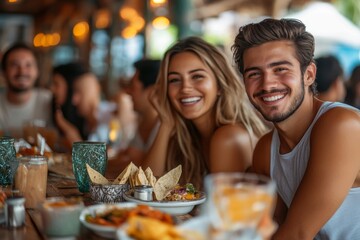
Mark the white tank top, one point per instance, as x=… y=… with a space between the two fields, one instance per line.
x=288 y=169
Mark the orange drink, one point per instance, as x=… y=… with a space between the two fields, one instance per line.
x=238 y=201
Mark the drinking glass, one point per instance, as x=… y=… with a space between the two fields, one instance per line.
x=236 y=204
x=8 y=162
x=31 y=179
x=92 y=153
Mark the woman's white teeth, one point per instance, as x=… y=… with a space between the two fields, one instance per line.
x=190 y=100
x=273 y=98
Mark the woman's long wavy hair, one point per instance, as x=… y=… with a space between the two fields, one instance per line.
x=231 y=107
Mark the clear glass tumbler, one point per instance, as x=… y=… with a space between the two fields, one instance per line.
x=236 y=204
x=31 y=179
x=92 y=153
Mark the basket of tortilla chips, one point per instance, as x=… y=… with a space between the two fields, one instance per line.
x=167 y=194
x=102 y=189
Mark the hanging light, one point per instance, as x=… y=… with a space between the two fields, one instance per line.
x=46 y=40
x=81 y=30
x=128 y=32
x=161 y=22
x=128 y=13
x=157 y=3
x=102 y=19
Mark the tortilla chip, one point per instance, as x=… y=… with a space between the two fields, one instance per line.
x=167 y=182
x=150 y=177
x=133 y=180
x=95 y=177
x=141 y=178
x=125 y=174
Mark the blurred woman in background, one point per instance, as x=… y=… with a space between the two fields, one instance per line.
x=63 y=77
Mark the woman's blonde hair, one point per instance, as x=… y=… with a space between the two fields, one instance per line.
x=231 y=107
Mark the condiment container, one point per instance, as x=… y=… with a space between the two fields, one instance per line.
x=60 y=216
x=31 y=179
x=143 y=192
x=15 y=211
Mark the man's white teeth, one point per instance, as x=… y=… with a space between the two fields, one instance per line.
x=190 y=100
x=273 y=98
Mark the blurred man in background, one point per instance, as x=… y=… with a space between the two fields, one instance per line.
x=21 y=102
x=139 y=89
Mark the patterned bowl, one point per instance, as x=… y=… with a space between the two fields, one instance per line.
x=108 y=193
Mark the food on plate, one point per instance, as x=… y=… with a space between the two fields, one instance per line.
x=62 y=203
x=95 y=177
x=125 y=174
x=150 y=177
x=136 y=176
x=142 y=228
x=186 y=192
x=116 y=216
x=139 y=178
x=166 y=183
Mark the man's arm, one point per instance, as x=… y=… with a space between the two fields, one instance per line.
x=332 y=169
x=261 y=165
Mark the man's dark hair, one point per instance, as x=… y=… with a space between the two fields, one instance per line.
x=328 y=70
x=269 y=30
x=13 y=48
x=148 y=71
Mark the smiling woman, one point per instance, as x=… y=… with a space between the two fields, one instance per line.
x=201 y=98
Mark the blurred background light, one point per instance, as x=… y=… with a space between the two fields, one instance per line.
x=161 y=22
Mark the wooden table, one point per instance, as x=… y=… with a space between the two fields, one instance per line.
x=57 y=187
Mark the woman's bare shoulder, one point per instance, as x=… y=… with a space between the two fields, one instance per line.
x=231 y=133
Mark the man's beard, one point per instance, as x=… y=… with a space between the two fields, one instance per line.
x=19 y=89
x=283 y=116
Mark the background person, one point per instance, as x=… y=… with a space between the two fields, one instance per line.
x=313 y=153
x=99 y=115
x=63 y=77
x=330 y=79
x=141 y=84
x=353 y=88
x=207 y=122
x=21 y=102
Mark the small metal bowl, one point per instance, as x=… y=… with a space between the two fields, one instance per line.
x=108 y=193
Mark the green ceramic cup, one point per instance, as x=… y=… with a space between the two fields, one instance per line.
x=92 y=153
x=8 y=162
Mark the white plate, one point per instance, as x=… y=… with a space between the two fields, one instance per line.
x=103 y=231
x=195 y=228
x=199 y=228
x=171 y=207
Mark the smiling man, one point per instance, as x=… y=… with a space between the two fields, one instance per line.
x=313 y=153
x=21 y=102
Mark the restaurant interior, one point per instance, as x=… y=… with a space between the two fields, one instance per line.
x=109 y=36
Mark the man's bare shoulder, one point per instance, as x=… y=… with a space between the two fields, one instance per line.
x=338 y=119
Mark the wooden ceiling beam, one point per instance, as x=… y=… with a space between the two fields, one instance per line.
x=215 y=8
